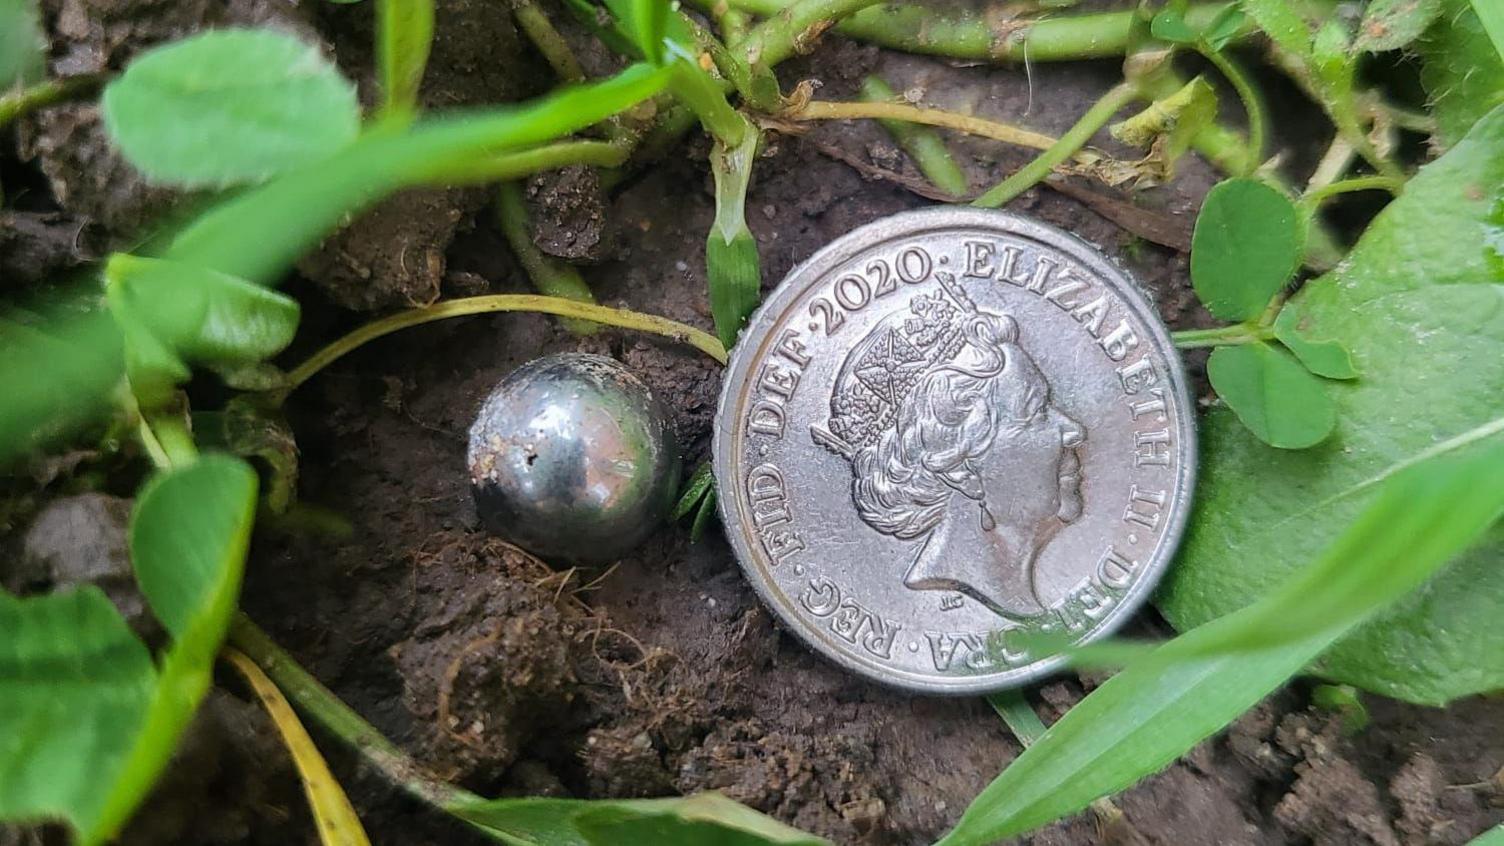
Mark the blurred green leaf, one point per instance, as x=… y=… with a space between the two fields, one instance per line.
x=1320 y=356
x=1491 y=14
x=1245 y=247
x=1461 y=70
x=703 y=516
x=704 y=818
x=1169 y=25
x=1282 y=23
x=1279 y=401
x=229 y=106
x=1392 y=24
x=1163 y=704
x=257 y=234
x=1418 y=303
x=650 y=20
x=404 y=34
x=75 y=684
x=1225 y=28
x=1344 y=700
x=1492 y=837
x=90 y=721
x=693 y=491
x=189 y=533
x=171 y=313
x=23 y=48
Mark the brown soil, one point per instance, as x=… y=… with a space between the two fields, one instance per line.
x=663 y=674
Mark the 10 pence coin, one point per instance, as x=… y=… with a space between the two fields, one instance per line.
x=952 y=438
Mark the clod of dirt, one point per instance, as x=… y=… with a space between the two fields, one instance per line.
x=1418 y=789
x=87 y=176
x=229 y=782
x=80 y=540
x=41 y=246
x=817 y=782
x=394 y=254
x=567 y=208
x=488 y=663
x=1331 y=801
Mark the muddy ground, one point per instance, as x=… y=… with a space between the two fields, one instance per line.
x=663 y=674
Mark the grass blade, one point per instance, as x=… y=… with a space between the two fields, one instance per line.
x=332 y=813
x=404 y=34
x=1163 y=704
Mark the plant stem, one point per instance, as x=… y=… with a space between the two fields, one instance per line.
x=702 y=341
x=1222 y=336
x=1253 y=105
x=540 y=31
x=1313 y=199
x=20 y=101
x=916 y=27
x=339 y=719
x=1018 y=715
x=997 y=131
x=794 y=29
x=1073 y=140
x=552 y=277
x=173 y=440
x=924 y=145
x=404 y=36
x=733 y=23
x=705 y=98
x=506 y=166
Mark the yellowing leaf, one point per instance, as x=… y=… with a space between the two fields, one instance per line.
x=333 y=814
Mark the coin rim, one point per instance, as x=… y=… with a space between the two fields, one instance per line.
x=824 y=261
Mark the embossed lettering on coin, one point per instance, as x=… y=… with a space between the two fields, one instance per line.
x=946 y=434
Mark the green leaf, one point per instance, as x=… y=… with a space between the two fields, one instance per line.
x=650 y=20
x=1279 y=20
x=1492 y=837
x=257 y=234
x=1392 y=24
x=1279 y=401
x=1461 y=70
x=1224 y=28
x=1169 y=25
x=188 y=537
x=1418 y=302
x=228 y=107
x=403 y=38
x=23 y=48
x=171 y=314
x=190 y=530
x=1246 y=244
x=689 y=821
x=90 y=722
x=74 y=687
x=1320 y=356
x=731 y=261
x=1491 y=15
x=694 y=491
x=1163 y=704
x=703 y=516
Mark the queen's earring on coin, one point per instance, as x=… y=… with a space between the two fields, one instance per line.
x=988 y=524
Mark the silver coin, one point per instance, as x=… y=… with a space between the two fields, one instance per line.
x=949 y=440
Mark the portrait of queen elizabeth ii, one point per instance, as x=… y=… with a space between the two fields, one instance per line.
x=955 y=443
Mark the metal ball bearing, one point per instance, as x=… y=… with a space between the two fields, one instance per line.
x=572 y=458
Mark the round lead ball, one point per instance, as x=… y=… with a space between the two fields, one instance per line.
x=572 y=458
